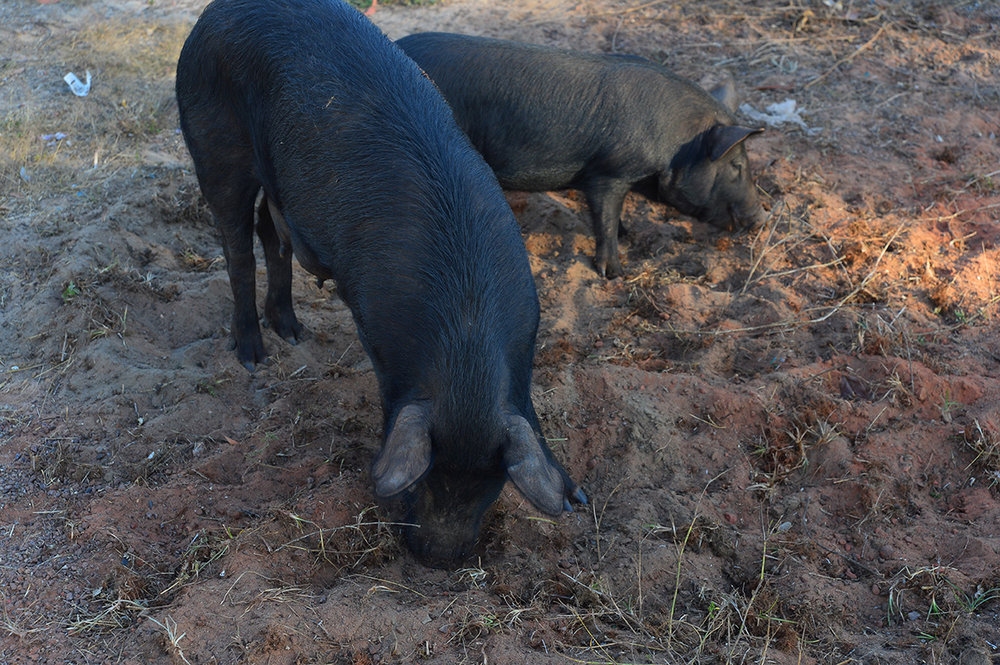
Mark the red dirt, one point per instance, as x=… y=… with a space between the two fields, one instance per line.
x=791 y=437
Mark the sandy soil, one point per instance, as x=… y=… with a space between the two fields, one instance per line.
x=790 y=437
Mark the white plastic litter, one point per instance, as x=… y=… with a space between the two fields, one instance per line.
x=779 y=113
x=79 y=88
x=52 y=139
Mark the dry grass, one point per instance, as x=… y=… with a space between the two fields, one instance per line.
x=22 y=624
x=928 y=594
x=113 y=608
x=368 y=541
x=603 y=620
x=131 y=101
x=984 y=441
x=196 y=263
x=779 y=452
x=202 y=551
x=173 y=639
x=56 y=458
x=590 y=612
x=783 y=252
x=780 y=243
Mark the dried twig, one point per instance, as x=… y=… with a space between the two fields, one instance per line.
x=864 y=282
x=622 y=12
x=846 y=59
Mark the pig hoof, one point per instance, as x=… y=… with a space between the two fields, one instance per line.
x=250 y=355
x=251 y=364
x=608 y=267
x=577 y=496
x=287 y=328
x=292 y=334
x=613 y=270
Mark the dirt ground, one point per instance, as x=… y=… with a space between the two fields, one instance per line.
x=790 y=437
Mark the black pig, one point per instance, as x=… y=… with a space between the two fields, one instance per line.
x=546 y=118
x=368 y=180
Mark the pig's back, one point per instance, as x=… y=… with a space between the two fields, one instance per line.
x=537 y=113
x=361 y=155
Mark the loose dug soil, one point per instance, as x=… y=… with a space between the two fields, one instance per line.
x=790 y=437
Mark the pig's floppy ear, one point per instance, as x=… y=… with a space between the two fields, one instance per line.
x=722 y=138
x=406 y=455
x=537 y=478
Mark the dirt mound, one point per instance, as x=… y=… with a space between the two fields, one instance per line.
x=790 y=437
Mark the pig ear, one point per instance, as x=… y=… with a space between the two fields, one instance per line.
x=722 y=139
x=725 y=94
x=406 y=455
x=537 y=478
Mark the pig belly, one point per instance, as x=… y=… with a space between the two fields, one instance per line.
x=303 y=254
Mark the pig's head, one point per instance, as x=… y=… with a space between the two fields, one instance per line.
x=442 y=481
x=709 y=179
x=709 y=176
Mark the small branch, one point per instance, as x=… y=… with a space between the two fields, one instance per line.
x=847 y=59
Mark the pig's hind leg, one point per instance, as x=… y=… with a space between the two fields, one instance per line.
x=230 y=188
x=235 y=222
x=279 y=312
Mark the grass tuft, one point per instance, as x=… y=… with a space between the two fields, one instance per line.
x=985 y=442
x=369 y=540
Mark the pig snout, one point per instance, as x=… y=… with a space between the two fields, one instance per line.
x=755 y=218
x=442 y=499
x=743 y=217
x=715 y=185
x=444 y=513
x=732 y=217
